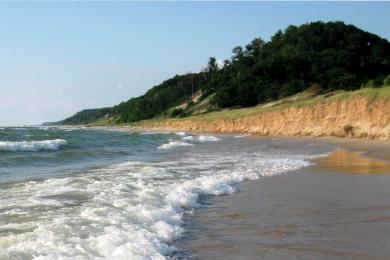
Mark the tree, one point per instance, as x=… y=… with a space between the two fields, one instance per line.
x=333 y=55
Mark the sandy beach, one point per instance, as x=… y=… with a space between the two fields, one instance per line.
x=338 y=208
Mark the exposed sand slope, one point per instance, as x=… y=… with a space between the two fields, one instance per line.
x=355 y=116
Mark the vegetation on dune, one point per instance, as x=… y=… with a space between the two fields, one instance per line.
x=332 y=55
x=87 y=116
x=299 y=100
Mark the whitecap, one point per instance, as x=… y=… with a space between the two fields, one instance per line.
x=181 y=133
x=173 y=144
x=240 y=136
x=19 y=128
x=32 y=146
x=208 y=138
x=44 y=127
x=201 y=138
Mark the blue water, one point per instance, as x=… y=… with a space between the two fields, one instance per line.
x=83 y=149
x=88 y=193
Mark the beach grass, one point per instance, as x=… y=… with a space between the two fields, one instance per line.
x=371 y=94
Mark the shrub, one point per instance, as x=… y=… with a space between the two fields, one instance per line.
x=386 y=81
x=178 y=112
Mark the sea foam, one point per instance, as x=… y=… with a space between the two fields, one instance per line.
x=181 y=133
x=129 y=210
x=201 y=138
x=208 y=138
x=173 y=144
x=188 y=140
x=32 y=146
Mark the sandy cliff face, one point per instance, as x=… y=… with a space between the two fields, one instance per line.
x=354 y=117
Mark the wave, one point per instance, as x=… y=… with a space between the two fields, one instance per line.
x=131 y=210
x=188 y=138
x=173 y=144
x=241 y=136
x=201 y=138
x=45 y=128
x=181 y=133
x=70 y=129
x=19 y=128
x=155 y=132
x=208 y=138
x=32 y=146
x=126 y=216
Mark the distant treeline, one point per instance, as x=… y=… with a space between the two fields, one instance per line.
x=332 y=55
x=88 y=116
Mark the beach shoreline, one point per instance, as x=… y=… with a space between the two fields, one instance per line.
x=316 y=212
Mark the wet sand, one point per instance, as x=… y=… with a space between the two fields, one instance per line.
x=338 y=208
x=379 y=149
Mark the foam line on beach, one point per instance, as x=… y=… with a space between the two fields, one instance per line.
x=117 y=224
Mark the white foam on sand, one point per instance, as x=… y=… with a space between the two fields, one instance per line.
x=32 y=146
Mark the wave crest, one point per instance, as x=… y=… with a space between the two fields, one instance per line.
x=208 y=138
x=173 y=144
x=32 y=146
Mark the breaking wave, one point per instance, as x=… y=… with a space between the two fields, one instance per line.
x=32 y=146
x=181 y=133
x=241 y=136
x=201 y=138
x=129 y=210
x=173 y=144
x=208 y=138
x=188 y=140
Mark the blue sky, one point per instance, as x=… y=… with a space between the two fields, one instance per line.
x=59 y=58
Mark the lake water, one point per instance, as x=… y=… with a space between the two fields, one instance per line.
x=97 y=194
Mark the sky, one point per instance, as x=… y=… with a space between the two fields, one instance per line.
x=57 y=58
